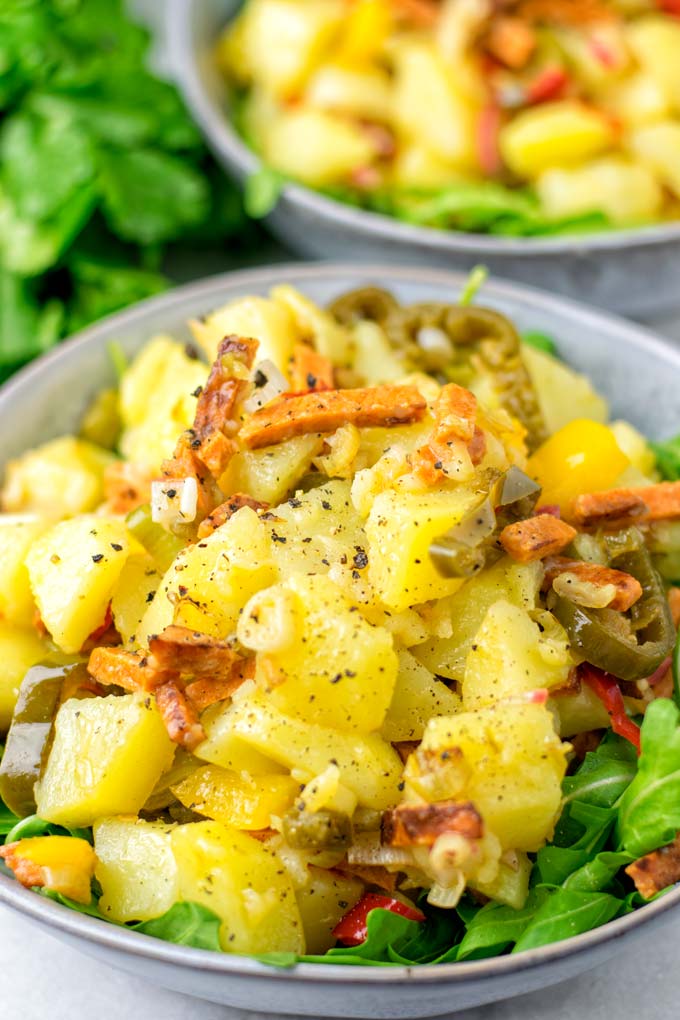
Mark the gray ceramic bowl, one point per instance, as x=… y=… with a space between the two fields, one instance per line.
x=641 y=377
x=634 y=272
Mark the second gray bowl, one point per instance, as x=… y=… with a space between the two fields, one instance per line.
x=634 y=272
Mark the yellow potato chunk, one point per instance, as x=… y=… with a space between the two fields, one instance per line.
x=400 y=528
x=210 y=581
x=17 y=534
x=135 y=867
x=363 y=92
x=368 y=765
x=268 y=474
x=317 y=326
x=158 y=401
x=323 y=901
x=418 y=697
x=511 y=885
x=579 y=712
x=282 y=41
x=511 y=655
x=553 y=134
x=329 y=665
x=416 y=166
x=267 y=320
x=135 y=591
x=430 y=109
x=237 y=799
x=106 y=758
x=73 y=569
x=243 y=882
x=20 y=648
x=516 y=764
x=223 y=747
x=317 y=147
x=517 y=583
x=562 y=393
x=58 y=479
x=626 y=192
x=658 y=146
x=637 y=99
x=655 y=41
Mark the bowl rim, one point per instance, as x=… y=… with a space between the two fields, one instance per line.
x=126 y=941
x=225 y=141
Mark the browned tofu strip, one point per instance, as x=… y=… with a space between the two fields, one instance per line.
x=126 y=486
x=225 y=510
x=421 y=824
x=628 y=588
x=310 y=370
x=300 y=414
x=187 y=651
x=648 y=503
x=536 y=538
x=657 y=870
x=209 y=690
x=179 y=717
x=114 y=667
x=217 y=400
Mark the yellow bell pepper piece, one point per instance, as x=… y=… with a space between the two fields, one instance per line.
x=582 y=457
x=367 y=28
x=236 y=799
x=63 y=864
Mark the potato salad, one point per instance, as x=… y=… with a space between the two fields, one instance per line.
x=343 y=634
x=516 y=117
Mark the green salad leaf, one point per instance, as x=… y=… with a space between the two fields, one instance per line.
x=649 y=811
x=541 y=341
x=263 y=190
x=186 y=924
x=668 y=458
x=566 y=912
x=495 y=927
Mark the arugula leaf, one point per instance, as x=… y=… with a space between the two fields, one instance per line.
x=91 y=909
x=541 y=341
x=649 y=811
x=598 y=873
x=150 y=196
x=33 y=825
x=566 y=912
x=262 y=191
x=7 y=820
x=495 y=927
x=668 y=458
x=186 y=924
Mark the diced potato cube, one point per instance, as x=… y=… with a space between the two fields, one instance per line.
x=430 y=109
x=268 y=474
x=322 y=902
x=655 y=41
x=135 y=867
x=17 y=534
x=516 y=764
x=20 y=648
x=243 y=882
x=73 y=569
x=317 y=326
x=517 y=583
x=317 y=147
x=157 y=400
x=579 y=712
x=223 y=747
x=418 y=697
x=597 y=53
x=240 y=800
x=562 y=393
x=375 y=360
x=268 y=321
x=636 y=448
x=416 y=166
x=58 y=479
x=626 y=192
x=400 y=528
x=511 y=885
x=331 y=666
x=511 y=655
x=563 y=133
x=368 y=765
x=136 y=589
x=282 y=41
x=364 y=92
x=106 y=758
x=658 y=146
x=210 y=581
x=637 y=99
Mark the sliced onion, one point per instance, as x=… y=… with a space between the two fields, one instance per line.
x=447 y=896
x=269 y=382
x=174 y=501
x=367 y=849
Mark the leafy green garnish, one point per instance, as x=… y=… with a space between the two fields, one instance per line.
x=567 y=912
x=32 y=826
x=91 y=146
x=541 y=341
x=262 y=192
x=649 y=812
x=668 y=458
x=186 y=924
x=476 y=279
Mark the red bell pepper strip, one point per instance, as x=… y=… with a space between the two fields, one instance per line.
x=353 y=928
x=670 y=7
x=549 y=84
x=607 y=689
x=488 y=128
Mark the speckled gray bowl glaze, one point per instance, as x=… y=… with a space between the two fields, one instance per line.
x=641 y=377
x=632 y=272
